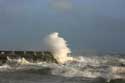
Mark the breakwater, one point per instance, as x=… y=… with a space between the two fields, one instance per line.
x=32 y=56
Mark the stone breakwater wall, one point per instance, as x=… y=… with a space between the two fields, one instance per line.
x=33 y=56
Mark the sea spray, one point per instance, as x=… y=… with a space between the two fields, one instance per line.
x=58 y=46
x=17 y=61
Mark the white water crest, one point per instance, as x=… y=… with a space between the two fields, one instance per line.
x=58 y=46
x=17 y=61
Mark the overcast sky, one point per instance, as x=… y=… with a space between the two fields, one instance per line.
x=85 y=24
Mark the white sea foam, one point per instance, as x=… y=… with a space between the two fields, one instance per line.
x=77 y=69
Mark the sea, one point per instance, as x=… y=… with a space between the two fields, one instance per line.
x=88 y=69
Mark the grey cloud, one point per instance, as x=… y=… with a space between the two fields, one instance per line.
x=60 y=5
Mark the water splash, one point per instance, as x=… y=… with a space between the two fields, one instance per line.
x=58 y=46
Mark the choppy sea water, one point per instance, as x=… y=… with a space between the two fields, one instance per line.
x=89 y=69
